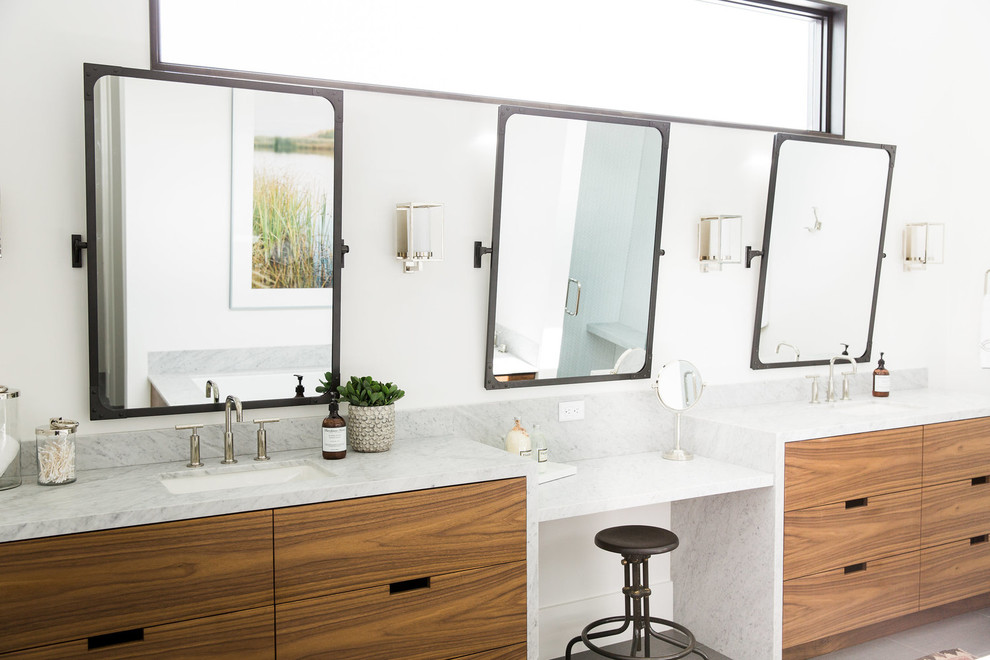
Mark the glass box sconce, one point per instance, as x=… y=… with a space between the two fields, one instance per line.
x=719 y=241
x=923 y=244
x=418 y=234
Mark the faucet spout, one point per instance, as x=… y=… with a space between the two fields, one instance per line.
x=228 y=436
x=797 y=353
x=830 y=395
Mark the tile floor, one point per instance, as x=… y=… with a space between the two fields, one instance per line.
x=969 y=632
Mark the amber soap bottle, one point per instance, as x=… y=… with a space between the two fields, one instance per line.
x=881 y=379
x=334 y=431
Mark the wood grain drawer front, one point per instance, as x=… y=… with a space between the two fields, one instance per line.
x=514 y=652
x=827 y=470
x=835 y=601
x=955 y=571
x=75 y=586
x=956 y=510
x=339 y=546
x=957 y=450
x=249 y=634
x=837 y=535
x=457 y=614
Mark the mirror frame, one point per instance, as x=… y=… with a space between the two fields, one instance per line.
x=504 y=113
x=100 y=407
x=778 y=141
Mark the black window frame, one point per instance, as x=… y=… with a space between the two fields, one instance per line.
x=831 y=120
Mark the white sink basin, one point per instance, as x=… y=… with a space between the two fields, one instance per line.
x=871 y=407
x=222 y=478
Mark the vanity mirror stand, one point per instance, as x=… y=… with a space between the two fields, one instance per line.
x=678 y=388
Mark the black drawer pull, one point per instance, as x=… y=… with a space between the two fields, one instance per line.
x=979 y=481
x=114 y=638
x=855 y=504
x=409 y=585
x=979 y=539
x=855 y=568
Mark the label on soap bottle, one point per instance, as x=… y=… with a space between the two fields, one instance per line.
x=335 y=439
x=881 y=383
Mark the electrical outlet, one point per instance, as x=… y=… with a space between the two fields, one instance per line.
x=570 y=411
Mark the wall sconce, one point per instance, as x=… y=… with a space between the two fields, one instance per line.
x=924 y=244
x=418 y=234
x=719 y=241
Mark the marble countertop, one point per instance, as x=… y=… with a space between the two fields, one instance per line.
x=134 y=495
x=792 y=420
x=619 y=482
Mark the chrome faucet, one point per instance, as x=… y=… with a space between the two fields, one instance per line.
x=797 y=353
x=228 y=436
x=830 y=395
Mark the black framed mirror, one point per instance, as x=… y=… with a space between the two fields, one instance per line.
x=214 y=241
x=575 y=247
x=822 y=250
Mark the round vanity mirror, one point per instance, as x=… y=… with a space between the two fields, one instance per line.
x=679 y=388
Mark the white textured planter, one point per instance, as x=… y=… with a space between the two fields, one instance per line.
x=371 y=428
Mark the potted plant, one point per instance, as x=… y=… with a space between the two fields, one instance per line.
x=371 y=413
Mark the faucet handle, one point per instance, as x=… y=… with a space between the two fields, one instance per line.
x=814 y=388
x=193 y=443
x=845 y=385
x=263 y=437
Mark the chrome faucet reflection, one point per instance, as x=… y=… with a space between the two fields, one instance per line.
x=797 y=353
x=212 y=389
x=228 y=436
x=830 y=395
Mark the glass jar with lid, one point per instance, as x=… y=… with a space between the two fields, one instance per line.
x=56 y=452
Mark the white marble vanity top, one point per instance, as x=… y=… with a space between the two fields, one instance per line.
x=794 y=420
x=620 y=482
x=124 y=496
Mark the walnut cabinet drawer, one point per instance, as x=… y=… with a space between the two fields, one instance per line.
x=826 y=603
x=77 y=586
x=827 y=470
x=957 y=450
x=820 y=538
x=955 y=510
x=954 y=571
x=245 y=635
x=340 y=546
x=445 y=616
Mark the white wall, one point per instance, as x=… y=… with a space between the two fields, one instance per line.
x=917 y=78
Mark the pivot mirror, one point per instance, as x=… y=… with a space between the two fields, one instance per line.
x=575 y=247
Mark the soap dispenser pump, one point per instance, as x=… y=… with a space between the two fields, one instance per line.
x=881 y=379
x=300 y=390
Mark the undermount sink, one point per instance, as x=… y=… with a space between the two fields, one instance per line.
x=222 y=478
x=871 y=407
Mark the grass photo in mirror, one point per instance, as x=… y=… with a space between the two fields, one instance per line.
x=292 y=228
x=292 y=214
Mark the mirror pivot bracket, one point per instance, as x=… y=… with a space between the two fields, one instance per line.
x=480 y=251
x=78 y=245
x=752 y=254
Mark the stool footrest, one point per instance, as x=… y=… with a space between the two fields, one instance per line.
x=587 y=635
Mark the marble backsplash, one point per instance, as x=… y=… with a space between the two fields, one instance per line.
x=614 y=424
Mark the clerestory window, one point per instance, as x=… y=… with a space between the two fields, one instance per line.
x=759 y=63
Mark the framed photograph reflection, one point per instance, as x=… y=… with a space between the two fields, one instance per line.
x=282 y=173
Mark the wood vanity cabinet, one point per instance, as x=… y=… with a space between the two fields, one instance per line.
x=882 y=525
x=126 y=591
x=430 y=574
x=425 y=575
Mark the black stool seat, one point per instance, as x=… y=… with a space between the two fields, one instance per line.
x=640 y=540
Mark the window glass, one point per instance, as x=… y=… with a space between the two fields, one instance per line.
x=701 y=59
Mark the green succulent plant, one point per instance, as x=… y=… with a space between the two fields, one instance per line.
x=324 y=385
x=367 y=391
